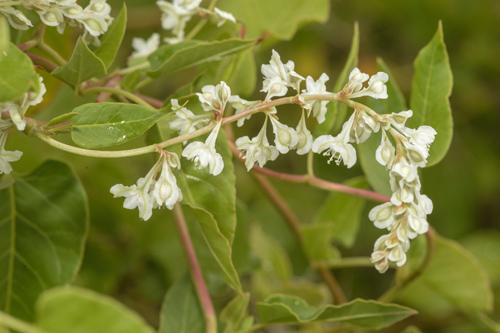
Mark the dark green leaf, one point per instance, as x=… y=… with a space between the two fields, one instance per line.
x=181 y=312
x=337 y=111
x=431 y=90
x=16 y=74
x=213 y=203
x=76 y=310
x=111 y=41
x=84 y=64
x=98 y=125
x=280 y=18
x=173 y=58
x=42 y=233
x=282 y=309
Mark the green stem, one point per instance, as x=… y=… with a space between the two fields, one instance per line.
x=15 y=324
x=197 y=28
x=50 y=51
x=128 y=70
x=119 y=92
x=310 y=164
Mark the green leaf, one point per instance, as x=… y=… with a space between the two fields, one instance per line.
x=111 y=41
x=466 y=288
x=280 y=18
x=16 y=74
x=4 y=34
x=337 y=111
x=412 y=329
x=317 y=242
x=76 y=310
x=342 y=213
x=42 y=233
x=234 y=316
x=376 y=174
x=181 y=312
x=172 y=58
x=485 y=246
x=84 y=64
x=213 y=203
x=98 y=125
x=431 y=90
x=283 y=309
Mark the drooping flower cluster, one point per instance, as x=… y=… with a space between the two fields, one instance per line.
x=405 y=216
x=13 y=113
x=156 y=190
x=177 y=13
x=94 y=18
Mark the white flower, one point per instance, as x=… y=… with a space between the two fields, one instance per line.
x=204 y=154
x=363 y=126
x=318 y=108
x=338 y=147
x=305 y=139
x=15 y=113
x=95 y=17
x=151 y=192
x=6 y=156
x=214 y=98
x=398 y=119
x=285 y=137
x=165 y=191
x=382 y=215
x=407 y=171
x=376 y=85
x=278 y=77
x=257 y=150
x=223 y=16
x=144 y=47
x=16 y=18
x=176 y=15
x=385 y=151
x=185 y=121
x=239 y=105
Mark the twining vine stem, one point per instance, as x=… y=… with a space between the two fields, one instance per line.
x=196 y=274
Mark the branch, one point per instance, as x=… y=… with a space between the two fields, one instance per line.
x=196 y=274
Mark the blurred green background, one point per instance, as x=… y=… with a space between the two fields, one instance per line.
x=136 y=262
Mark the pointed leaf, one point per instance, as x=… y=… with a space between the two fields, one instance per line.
x=431 y=90
x=16 y=74
x=84 y=64
x=235 y=314
x=43 y=227
x=468 y=288
x=283 y=309
x=173 y=58
x=98 y=125
x=181 y=311
x=76 y=310
x=112 y=39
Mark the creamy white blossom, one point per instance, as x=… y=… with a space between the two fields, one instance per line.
x=223 y=16
x=337 y=147
x=257 y=150
x=305 y=138
x=363 y=126
x=214 y=98
x=95 y=18
x=204 y=155
x=7 y=156
x=144 y=47
x=316 y=107
x=185 y=121
x=376 y=87
x=278 y=77
x=239 y=105
x=158 y=188
x=175 y=15
x=285 y=137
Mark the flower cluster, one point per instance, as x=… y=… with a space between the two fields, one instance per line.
x=405 y=216
x=94 y=18
x=157 y=189
x=177 y=13
x=14 y=112
x=143 y=48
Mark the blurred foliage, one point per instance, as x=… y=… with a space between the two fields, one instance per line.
x=137 y=262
